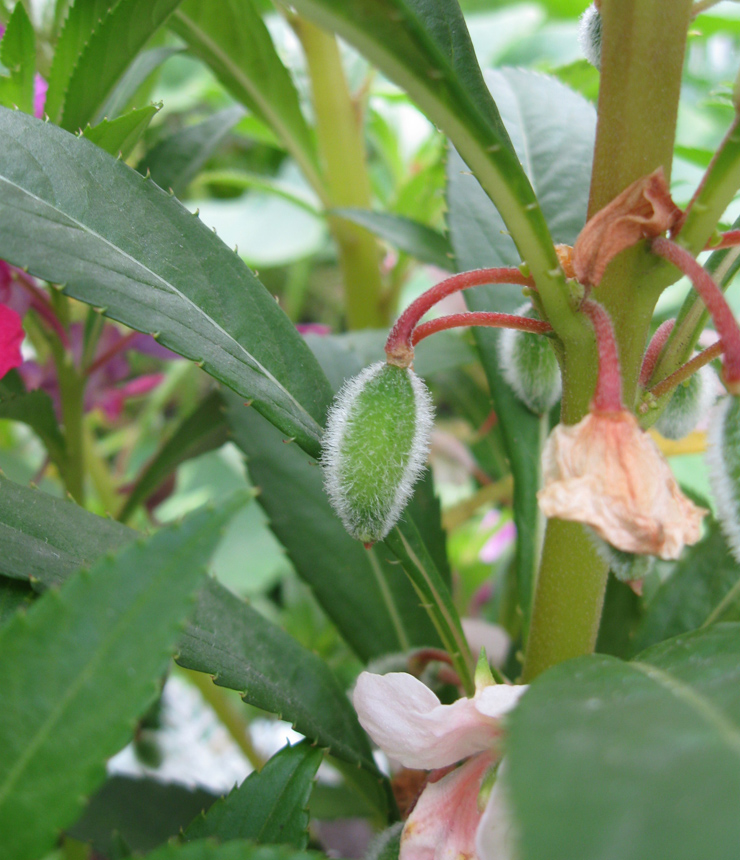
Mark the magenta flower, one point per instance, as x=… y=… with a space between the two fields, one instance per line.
x=11 y=338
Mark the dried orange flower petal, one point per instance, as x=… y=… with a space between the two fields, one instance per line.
x=608 y=473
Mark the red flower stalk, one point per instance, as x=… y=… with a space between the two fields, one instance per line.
x=479 y=318
x=726 y=240
x=608 y=393
x=716 y=304
x=399 y=348
x=655 y=347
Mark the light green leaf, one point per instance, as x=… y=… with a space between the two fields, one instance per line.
x=553 y=131
x=232 y=39
x=120 y=136
x=408 y=236
x=70 y=213
x=424 y=46
x=269 y=807
x=362 y=591
x=641 y=760
x=18 y=55
x=207 y=849
x=110 y=49
x=175 y=161
x=124 y=93
x=82 y=18
x=81 y=665
x=205 y=429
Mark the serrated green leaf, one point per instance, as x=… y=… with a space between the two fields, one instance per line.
x=14 y=595
x=18 y=55
x=175 y=161
x=372 y=604
x=424 y=46
x=205 y=429
x=70 y=696
x=109 y=50
x=269 y=807
x=232 y=39
x=47 y=538
x=703 y=586
x=120 y=136
x=82 y=18
x=70 y=213
x=408 y=236
x=553 y=131
x=642 y=760
x=124 y=93
x=207 y=849
x=143 y=812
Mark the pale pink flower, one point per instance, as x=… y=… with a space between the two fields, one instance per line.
x=411 y=725
x=609 y=474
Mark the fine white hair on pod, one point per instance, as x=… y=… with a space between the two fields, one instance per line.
x=372 y=519
x=723 y=460
x=589 y=35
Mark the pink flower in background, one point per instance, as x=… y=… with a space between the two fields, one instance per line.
x=500 y=540
x=11 y=338
x=411 y=725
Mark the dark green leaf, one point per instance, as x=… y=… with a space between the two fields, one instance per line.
x=553 y=131
x=18 y=55
x=71 y=213
x=143 y=812
x=14 y=595
x=82 y=18
x=329 y=802
x=635 y=760
x=363 y=592
x=81 y=665
x=175 y=161
x=205 y=429
x=269 y=807
x=232 y=39
x=207 y=849
x=120 y=136
x=124 y=94
x=408 y=236
x=702 y=587
x=106 y=56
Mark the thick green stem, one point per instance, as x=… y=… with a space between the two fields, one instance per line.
x=642 y=59
x=341 y=143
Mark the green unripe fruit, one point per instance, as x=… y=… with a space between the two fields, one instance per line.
x=690 y=402
x=375 y=447
x=723 y=457
x=529 y=365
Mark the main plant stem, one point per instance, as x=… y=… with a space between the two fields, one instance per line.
x=642 y=59
x=341 y=142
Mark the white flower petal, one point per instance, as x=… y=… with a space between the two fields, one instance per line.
x=408 y=722
x=499 y=699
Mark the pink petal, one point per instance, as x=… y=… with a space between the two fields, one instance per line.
x=496 y=834
x=408 y=722
x=11 y=338
x=492 y=637
x=498 y=543
x=444 y=822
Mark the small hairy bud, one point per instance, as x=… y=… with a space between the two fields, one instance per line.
x=375 y=447
x=628 y=567
x=589 y=35
x=529 y=365
x=690 y=402
x=723 y=457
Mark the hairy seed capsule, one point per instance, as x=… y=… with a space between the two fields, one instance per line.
x=529 y=365
x=689 y=404
x=375 y=447
x=723 y=458
x=589 y=35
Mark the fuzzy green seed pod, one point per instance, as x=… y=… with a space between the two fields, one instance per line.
x=529 y=365
x=628 y=567
x=723 y=458
x=375 y=447
x=589 y=35
x=690 y=402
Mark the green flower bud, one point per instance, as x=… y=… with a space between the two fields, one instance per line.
x=375 y=447
x=529 y=365
x=723 y=458
x=589 y=35
x=690 y=402
x=628 y=567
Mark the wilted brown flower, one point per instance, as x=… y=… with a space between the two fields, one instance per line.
x=644 y=209
x=607 y=473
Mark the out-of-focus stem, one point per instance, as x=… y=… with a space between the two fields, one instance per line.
x=342 y=147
